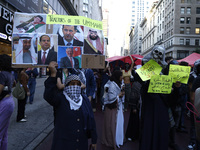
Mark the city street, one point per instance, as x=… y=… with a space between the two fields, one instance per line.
x=37 y=132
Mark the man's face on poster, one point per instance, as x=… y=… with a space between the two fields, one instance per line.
x=93 y=35
x=68 y=32
x=37 y=19
x=26 y=44
x=45 y=42
x=69 y=52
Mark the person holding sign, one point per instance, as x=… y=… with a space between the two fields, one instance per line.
x=154 y=111
x=46 y=55
x=69 y=61
x=74 y=120
x=127 y=72
x=68 y=38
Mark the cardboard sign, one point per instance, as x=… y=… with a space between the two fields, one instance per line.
x=149 y=69
x=91 y=61
x=179 y=73
x=39 y=39
x=160 y=84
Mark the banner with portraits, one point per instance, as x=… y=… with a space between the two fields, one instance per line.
x=38 y=39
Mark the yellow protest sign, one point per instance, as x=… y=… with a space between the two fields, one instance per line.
x=149 y=69
x=160 y=84
x=74 y=20
x=179 y=73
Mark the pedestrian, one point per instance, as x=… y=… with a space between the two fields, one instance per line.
x=32 y=73
x=6 y=100
x=127 y=81
x=23 y=79
x=112 y=92
x=74 y=119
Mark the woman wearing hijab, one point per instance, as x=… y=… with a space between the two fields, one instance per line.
x=111 y=96
x=6 y=100
x=74 y=120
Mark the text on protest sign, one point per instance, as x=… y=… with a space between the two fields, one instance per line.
x=149 y=69
x=74 y=20
x=160 y=84
x=179 y=73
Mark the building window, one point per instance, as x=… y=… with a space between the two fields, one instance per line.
x=182 y=1
x=182 y=54
x=197 y=20
x=188 y=10
x=181 y=42
x=182 y=10
x=45 y=7
x=188 y=20
x=181 y=30
x=197 y=42
x=182 y=20
x=188 y=30
x=198 y=10
x=198 y=1
x=197 y=30
x=187 y=42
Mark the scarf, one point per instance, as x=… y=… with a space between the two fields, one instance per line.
x=73 y=95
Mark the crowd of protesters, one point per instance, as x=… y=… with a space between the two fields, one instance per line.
x=74 y=94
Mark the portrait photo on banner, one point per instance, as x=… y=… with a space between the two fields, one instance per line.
x=47 y=47
x=23 y=49
x=68 y=35
x=69 y=56
x=93 y=42
x=29 y=23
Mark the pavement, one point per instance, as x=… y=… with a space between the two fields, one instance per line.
x=28 y=135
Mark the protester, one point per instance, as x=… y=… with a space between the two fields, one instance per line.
x=32 y=73
x=195 y=86
x=154 y=123
x=23 y=79
x=127 y=81
x=105 y=76
x=132 y=132
x=90 y=82
x=173 y=101
x=74 y=119
x=111 y=95
x=6 y=100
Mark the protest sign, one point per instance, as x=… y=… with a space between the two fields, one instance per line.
x=179 y=73
x=160 y=84
x=67 y=38
x=149 y=69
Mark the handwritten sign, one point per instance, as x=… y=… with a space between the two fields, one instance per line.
x=160 y=84
x=74 y=20
x=149 y=69
x=179 y=73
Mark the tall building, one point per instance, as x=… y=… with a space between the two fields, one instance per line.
x=176 y=26
x=139 y=10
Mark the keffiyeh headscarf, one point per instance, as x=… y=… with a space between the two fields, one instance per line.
x=73 y=92
x=19 y=50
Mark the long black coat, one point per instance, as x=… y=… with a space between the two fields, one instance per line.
x=69 y=131
x=155 y=121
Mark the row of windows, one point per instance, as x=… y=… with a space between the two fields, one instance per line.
x=188 y=10
x=189 y=1
x=187 y=30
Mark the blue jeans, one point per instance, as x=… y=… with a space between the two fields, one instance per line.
x=31 y=85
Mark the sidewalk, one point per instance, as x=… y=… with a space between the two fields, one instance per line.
x=28 y=135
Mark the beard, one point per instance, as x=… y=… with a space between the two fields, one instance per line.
x=93 y=37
